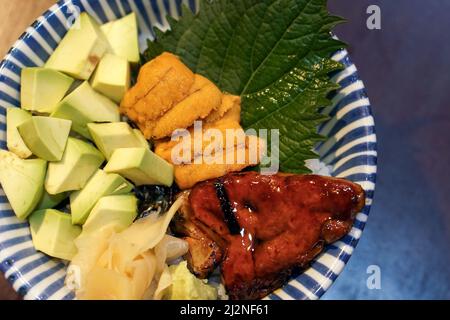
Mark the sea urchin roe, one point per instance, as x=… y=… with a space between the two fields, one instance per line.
x=162 y=83
x=204 y=97
x=228 y=102
x=169 y=96
x=200 y=165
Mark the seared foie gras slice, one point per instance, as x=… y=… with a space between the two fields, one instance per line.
x=270 y=226
x=204 y=253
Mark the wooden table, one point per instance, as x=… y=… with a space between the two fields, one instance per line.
x=15 y=17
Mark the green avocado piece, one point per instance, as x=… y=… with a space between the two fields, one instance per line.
x=42 y=89
x=122 y=36
x=80 y=50
x=112 y=77
x=53 y=233
x=185 y=286
x=111 y=136
x=141 y=166
x=84 y=106
x=14 y=118
x=120 y=210
x=79 y=162
x=140 y=136
x=49 y=201
x=101 y=184
x=46 y=137
x=22 y=181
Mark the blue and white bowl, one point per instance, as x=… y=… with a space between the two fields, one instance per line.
x=350 y=151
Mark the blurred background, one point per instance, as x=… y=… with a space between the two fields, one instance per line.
x=406 y=69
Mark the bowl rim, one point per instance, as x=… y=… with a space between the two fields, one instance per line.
x=345 y=251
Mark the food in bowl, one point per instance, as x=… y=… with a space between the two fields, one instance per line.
x=127 y=178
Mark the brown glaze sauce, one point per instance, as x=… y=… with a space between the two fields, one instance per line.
x=272 y=224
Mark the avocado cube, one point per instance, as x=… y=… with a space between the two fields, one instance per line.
x=112 y=77
x=141 y=166
x=42 y=89
x=79 y=162
x=120 y=210
x=83 y=106
x=46 y=137
x=111 y=136
x=22 y=182
x=49 y=201
x=53 y=233
x=101 y=184
x=140 y=136
x=14 y=118
x=80 y=50
x=122 y=36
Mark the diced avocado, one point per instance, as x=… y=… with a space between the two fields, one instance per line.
x=185 y=286
x=53 y=233
x=112 y=77
x=141 y=166
x=42 y=89
x=79 y=162
x=100 y=185
x=84 y=106
x=80 y=50
x=22 y=182
x=142 y=141
x=49 y=201
x=14 y=118
x=123 y=39
x=46 y=137
x=111 y=136
x=119 y=210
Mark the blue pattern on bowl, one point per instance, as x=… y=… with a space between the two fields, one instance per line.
x=350 y=150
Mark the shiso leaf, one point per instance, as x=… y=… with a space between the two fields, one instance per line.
x=274 y=53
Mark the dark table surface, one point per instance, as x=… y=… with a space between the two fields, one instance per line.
x=406 y=68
